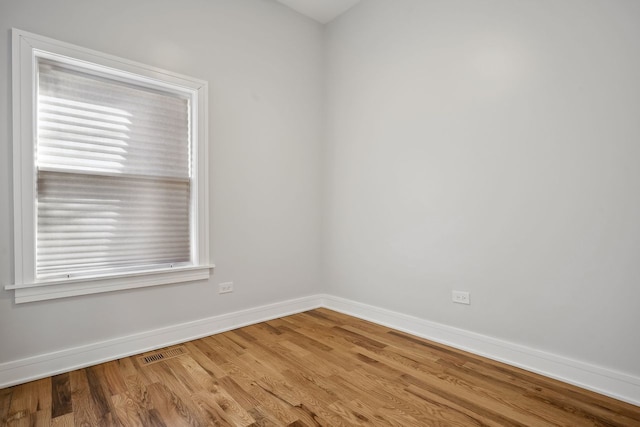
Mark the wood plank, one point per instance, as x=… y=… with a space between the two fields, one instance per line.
x=5 y=402
x=61 y=396
x=274 y=406
x=129 y=411
x=176 y=395
x=67 y=420
x=211 y=396
x=86 y=412
x=43 y=418
x=100 y=400
x=24 y=403
x=168 y=408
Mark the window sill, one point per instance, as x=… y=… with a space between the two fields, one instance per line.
x=47 y=290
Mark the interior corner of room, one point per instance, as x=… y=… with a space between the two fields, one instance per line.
x=464 y=171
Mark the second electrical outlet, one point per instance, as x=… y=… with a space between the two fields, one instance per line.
x=225 y=288
x=461 y=297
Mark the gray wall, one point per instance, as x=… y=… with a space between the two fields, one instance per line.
x=490 y=146
x=263 y=64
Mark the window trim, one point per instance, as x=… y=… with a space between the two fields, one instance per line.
x=25 y=47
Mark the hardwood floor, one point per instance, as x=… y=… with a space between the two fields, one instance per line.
x=315 y=368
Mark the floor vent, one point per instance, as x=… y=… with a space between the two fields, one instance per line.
x=161 y=355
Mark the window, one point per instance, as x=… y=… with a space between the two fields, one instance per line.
x=110 y=177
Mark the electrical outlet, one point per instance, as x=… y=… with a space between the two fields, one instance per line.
x=460 y=297
x=225 y=288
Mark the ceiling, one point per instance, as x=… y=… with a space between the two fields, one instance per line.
x=322 y=11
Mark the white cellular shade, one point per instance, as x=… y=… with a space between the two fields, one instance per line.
x=94 y=124
x=113 y=183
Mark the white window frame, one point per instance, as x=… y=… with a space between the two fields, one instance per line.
x=26 y=48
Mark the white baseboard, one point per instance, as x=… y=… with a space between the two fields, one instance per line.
x=45 y=365
x=611 y=383
x=601 y=380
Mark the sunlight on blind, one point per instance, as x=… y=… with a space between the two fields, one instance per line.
x=113 y=174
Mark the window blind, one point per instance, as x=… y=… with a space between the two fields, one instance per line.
x=113 y=174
